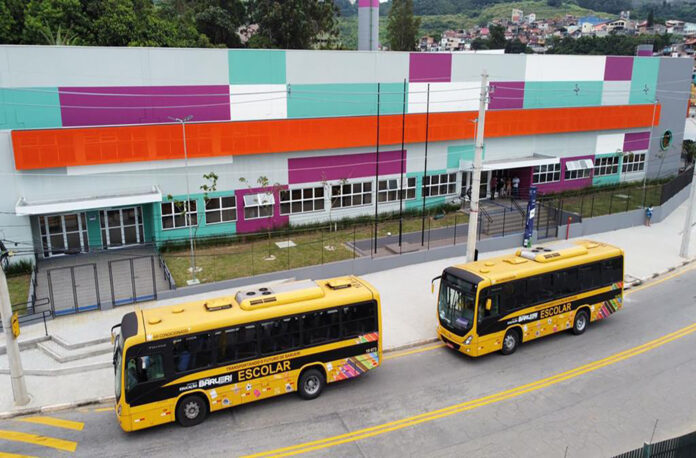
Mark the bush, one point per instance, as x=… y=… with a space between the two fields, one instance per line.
x=21 y=267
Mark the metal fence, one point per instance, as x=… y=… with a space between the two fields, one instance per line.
x=672 y=187
x=677 y=447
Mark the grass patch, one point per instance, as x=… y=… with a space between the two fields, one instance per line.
x=613 y=201
x=316 y=245
x=19 y=290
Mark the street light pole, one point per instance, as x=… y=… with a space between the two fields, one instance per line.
x=688 y=224
x=19 y=386
x=476 y=184
x=187 y=207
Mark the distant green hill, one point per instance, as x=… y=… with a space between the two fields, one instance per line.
x=348 y=26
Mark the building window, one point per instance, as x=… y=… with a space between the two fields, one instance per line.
x=606 y=166
x=633 y=163
x=439 y=185
x=258 y=206
x=220 y=210
x=577 y=174
x=351 y=194
x=175 y=215
x=389 y=190
x=546 y=173
x=301 y=200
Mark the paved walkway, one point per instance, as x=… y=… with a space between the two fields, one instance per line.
x=407 y=305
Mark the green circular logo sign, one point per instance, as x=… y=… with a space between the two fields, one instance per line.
x=666 y=139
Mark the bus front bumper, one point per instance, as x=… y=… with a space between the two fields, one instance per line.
x=464 y=344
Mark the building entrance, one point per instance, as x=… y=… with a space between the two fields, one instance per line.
x=63 y=234
x=121 y=227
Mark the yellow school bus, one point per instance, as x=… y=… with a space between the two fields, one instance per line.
x=496 y=304
x=180 y=362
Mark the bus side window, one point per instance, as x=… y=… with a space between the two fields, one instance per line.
x=546 y=288
x=192 y=352
x=510 y=296
x=320 y=327
x=357 y=320
x=494 y=295
x=143 y=369
x=280 y=335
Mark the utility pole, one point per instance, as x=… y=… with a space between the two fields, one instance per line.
x=686 y=236
x=19 y=386
x=187 y=207
x=476 y=179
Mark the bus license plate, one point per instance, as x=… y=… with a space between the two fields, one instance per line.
x=449 y=345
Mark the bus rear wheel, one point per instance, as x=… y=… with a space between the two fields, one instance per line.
x=311 y=384
x=580 y=322
x=510 y=342
x=191 y=410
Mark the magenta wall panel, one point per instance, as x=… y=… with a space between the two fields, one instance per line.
x=316 y=169
x=645 y=52
x=259 y=224
x=564 y=184
x=368 y=3
x=636 y=141
x=430 y=68
x=506 y=95
x=618 y=68
x=94 y=106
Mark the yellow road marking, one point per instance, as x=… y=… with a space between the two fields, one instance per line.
x=60 y=444
x=480 y=402
x=104 y=409
x=411 y=352
x=13 y=455
x=57 y=422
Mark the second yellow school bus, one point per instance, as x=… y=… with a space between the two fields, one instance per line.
x=496 y=304
x=180 y=362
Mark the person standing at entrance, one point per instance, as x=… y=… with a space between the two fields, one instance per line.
x=494 y=187
x=516 y=186
x=508 y=187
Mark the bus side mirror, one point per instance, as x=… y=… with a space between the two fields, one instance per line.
x=432 y=284
x=489 y=304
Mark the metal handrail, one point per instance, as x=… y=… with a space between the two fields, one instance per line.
x=517 y=207
x=167 y=274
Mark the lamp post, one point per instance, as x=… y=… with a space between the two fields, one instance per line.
x=187 y=207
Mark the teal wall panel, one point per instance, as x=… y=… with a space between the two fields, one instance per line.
x=256 y=66
x=93 y=230
x=29 y=108
x=608 y=179
x=417 y=203
x=554 y=94
x=203 y=229
x=644 y=80
x=461 y=152
x=318 y=100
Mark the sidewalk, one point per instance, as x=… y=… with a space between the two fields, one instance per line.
x=408 y=313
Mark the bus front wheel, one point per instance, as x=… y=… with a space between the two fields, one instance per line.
x=510 y=342
x=580 y=323
x=191 y=410
x=311 y=384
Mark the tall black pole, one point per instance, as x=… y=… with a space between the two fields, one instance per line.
x=377 y=171
x=401 y=180
x=425 y=166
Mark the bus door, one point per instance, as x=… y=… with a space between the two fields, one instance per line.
x=488 y=327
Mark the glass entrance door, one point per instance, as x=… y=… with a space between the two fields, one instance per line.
x=122 y=227
x=63 y=234
x=467 y=181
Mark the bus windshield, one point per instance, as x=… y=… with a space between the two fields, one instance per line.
x=117 y=366
x=457 y=303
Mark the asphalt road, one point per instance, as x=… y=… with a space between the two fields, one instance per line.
x=593 y=395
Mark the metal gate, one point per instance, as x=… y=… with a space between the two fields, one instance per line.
x=73 y=289
x=132 y=280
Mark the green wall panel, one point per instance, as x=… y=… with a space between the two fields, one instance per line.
x=321 y=100
x=24 y=108
x=644 y=80
x=561 y=94
x=256 y=66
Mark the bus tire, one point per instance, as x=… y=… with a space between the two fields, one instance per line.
x=311 y=383
x=191 y=410
x=510 y=342
x=582 y=319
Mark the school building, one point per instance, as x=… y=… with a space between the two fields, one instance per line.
x=92 y=153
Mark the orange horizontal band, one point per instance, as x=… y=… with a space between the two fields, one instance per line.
x=45 y=148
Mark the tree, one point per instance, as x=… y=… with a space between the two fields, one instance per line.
x=554 y=3
x=42 y=17
x=11 y=21
x=479 y=43
x=293 y=24
x=651 y=18
x=689 y=151
x=220 y=21
x=402 y=26
x=515 y=47
x=496 y=40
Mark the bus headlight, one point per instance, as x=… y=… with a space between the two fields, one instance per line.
x=468 y=340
